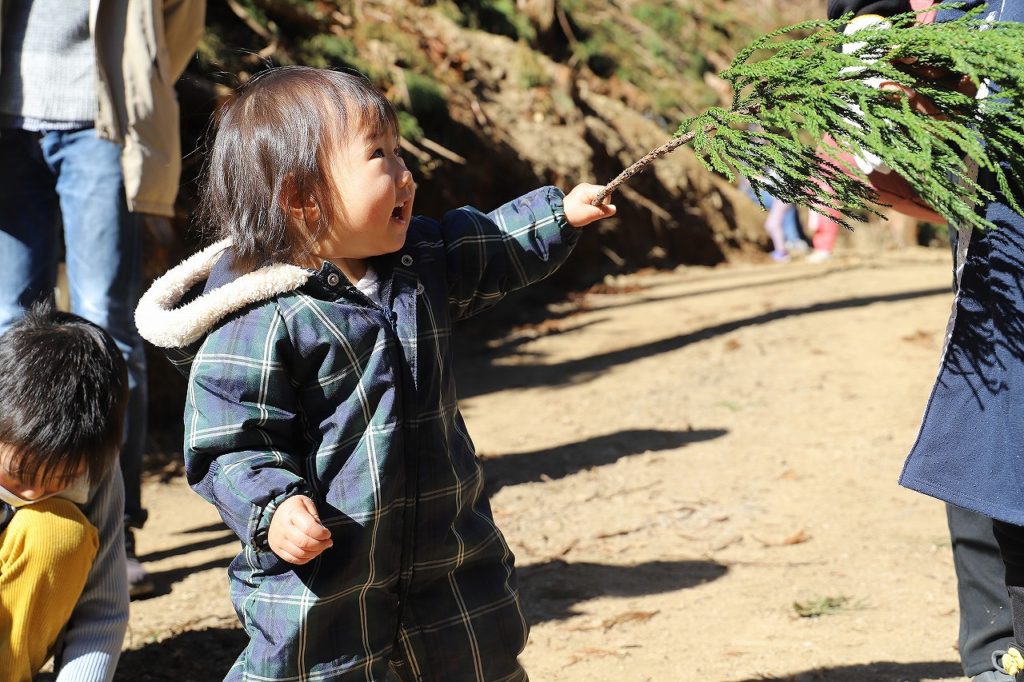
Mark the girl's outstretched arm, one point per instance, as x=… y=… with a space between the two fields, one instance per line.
x=489 y=255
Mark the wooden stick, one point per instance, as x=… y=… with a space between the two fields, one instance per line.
x=655 y=154
x=642 y=164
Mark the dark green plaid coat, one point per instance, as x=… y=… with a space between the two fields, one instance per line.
x=316 y=389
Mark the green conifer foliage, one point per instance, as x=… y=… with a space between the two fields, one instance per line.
x=795 y=88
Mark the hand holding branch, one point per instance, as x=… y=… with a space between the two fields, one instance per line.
x=583 y=205
x=791 y=93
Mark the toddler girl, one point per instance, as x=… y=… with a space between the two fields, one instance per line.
x=321 y=417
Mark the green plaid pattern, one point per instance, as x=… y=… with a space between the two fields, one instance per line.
x=323 y=392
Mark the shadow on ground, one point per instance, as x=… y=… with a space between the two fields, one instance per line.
x=564 y=460
x=483 y=329
x=224 y=539
x=881 y=671
x=164 y=581
x=193 y=656
x=479 y=375
x=551 y=589
x=206 y=655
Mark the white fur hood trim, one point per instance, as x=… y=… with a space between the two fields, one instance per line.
x=163 y=324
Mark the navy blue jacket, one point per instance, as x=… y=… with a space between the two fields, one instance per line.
x=971 y=444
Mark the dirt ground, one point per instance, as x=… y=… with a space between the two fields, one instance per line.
x=683 y=462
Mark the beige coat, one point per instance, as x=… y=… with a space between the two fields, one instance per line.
x=142 y=46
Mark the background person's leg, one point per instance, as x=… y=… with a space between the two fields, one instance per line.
x=1011 y=547
x=28 y=225
x=773 y=226
x=825 y=230
x=103 y=244
x=986 y=623
x=45 y=555
x=794 y=236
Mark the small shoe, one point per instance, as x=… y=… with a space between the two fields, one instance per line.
x=780 y=256
x=1007 y=665
x=140 y=583
x=819 y=256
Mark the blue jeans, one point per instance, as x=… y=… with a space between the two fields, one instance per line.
x=74 y=179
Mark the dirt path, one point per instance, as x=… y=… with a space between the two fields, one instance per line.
x=675 y=467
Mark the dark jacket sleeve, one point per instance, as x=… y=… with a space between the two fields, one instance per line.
x=885 y=8
x=487 y=256
x=241 y=415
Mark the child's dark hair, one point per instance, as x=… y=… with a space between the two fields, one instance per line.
x=63 y=393
x=274 y=139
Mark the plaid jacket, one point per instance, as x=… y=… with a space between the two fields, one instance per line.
x=313 y=388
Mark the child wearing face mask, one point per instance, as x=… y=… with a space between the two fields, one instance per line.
x=321 y=416
x=63 y=587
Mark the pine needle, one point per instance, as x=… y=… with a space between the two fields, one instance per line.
x=795 y=88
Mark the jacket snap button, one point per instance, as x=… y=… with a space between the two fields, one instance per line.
x=406 y=260
x=333 y=279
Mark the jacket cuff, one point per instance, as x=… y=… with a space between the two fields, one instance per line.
x=556 y=202
x=259 y=521
x=555 y=199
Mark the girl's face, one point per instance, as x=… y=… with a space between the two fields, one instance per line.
x=373 y=193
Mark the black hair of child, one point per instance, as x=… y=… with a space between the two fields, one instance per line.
x=63 y=393
x=275 y=139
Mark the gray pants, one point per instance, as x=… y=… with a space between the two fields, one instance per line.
x=985 y=617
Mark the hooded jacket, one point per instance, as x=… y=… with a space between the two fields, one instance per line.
x=298 y=383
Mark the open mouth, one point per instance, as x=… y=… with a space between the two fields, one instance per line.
x=399 y=211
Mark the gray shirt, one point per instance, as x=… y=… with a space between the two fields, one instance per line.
x=90 y=645
x=47 y=65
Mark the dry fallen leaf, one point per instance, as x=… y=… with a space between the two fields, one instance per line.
x=919 y=337
x=589 y=652
x=797 y=537
x=628 y=617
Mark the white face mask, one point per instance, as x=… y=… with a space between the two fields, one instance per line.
x=16 y=500
x=77 y=492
